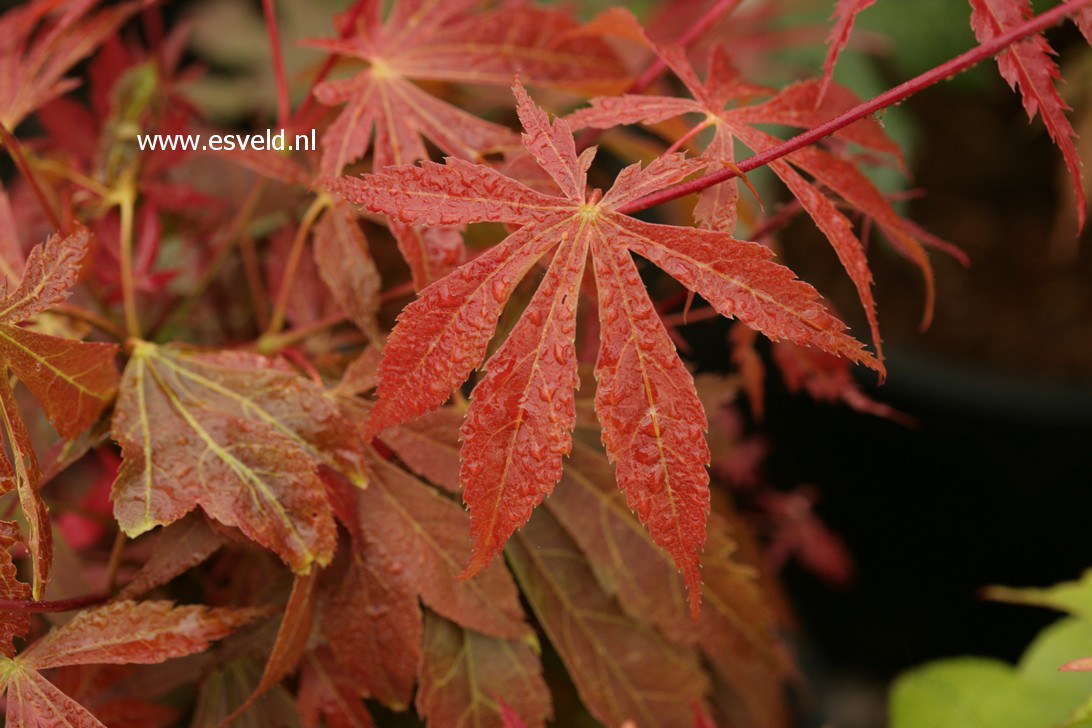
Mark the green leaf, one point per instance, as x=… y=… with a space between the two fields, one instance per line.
x=972 y=692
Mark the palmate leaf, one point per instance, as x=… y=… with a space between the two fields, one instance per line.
x=518 y=425
x=372 y=624
x=40 y=42
x=622 y=668
x=736 y=629
x=293 y=636
x=1028 y=65
x=72 y=380
x=240 y=435
x=446 y=41
x=327 y=691
x=178 y=548
x=412 y=527
x=803 y=104
x=120 y=633
x=465 y=676
x=346 y=266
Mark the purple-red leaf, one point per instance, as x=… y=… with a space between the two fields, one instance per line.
x=413 y=528
x=12 y=623
x=346 y=266
x=465 y=674
x=624 y=670
x=372 y=624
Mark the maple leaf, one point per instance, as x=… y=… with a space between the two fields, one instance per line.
x=827 y=379
x=623 y=669
x=1084 y=23
x=431 y=40
x=465 y=674
x=229 y=684
x=518 y=425
x=429 y=446
x=412 y=527
x=291 y=642
x=446 y=41
x=325 y=690
x=33 y=64
x=802 y=104
x=1027 y=64
x=797 y=530
x=736 y=629
x=237 y=433
x=72 y=380
x=368 y=613
x=119 y=633
x=346 y=266
x=178 y=548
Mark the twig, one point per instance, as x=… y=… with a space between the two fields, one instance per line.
x=284 y=104
x=15 y=149
x=271 y=343
x=276 y=320
x=97 y=320
x=946 y=70
x=126 y=203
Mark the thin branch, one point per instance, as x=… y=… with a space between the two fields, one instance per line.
x=97 y=320
x=271 y=343
x=276 y=320
x=946 y=70
x=15 y=149
x=284 y=104
x=126 y=204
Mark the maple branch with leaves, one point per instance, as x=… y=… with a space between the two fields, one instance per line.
x=463 y=422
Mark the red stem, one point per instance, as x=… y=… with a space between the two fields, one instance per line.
x=657 y=67
x=59 y=605
x=888 y=98
x=284 y=107
x=694 y=131
x=15 y=149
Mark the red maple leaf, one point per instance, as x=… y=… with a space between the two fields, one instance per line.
x=430 y=40
x=39 y=44
x=518 y=426
x=119 y=633
x=722 y=99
